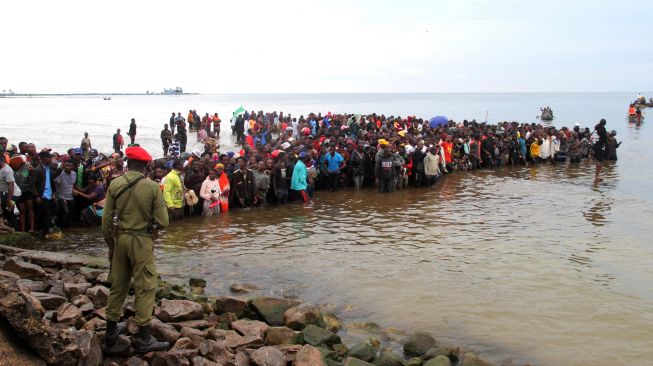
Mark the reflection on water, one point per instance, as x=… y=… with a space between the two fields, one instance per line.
x=513 y=263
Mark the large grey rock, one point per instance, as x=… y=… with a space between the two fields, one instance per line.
x=418 y=344
x=49 y=301
x=99 y=295
x=250 y=327
x=300 y=316
x=388 y=358
x=271 y=309
x=268 y=356
x=229 y=304
x=178 y=310
x=317 y=336
x=24 y=269
x=215 y=351
x=25 y=314
x=76 y=289
x=309 y=356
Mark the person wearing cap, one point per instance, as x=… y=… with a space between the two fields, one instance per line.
x=173 y=191
x=134 y=210
x=44 y=190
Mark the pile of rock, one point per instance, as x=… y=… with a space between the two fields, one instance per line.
x=57 y=304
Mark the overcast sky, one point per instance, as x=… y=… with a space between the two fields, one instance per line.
x=326 y=46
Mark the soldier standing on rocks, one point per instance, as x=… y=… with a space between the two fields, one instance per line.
x=133 y=213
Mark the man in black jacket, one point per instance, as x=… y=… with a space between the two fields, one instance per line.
x=44 y=191
x=243 y=186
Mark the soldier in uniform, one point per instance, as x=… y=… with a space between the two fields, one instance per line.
x=133 y=212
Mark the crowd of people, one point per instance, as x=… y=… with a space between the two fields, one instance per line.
x=280 y=159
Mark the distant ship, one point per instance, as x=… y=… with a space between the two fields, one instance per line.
x=177 y=90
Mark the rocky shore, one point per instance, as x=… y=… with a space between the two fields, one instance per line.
x=55 y=303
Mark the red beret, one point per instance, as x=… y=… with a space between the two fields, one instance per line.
x=137 y=153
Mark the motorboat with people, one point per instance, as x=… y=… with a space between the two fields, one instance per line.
x=641 y=102
x=546 y=114
x=107 y=98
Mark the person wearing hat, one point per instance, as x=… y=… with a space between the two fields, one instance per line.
x=44 y=190
x=133 y=212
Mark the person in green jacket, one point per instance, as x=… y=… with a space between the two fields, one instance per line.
x=173 y=191
x=133 y=212
x=299 y=178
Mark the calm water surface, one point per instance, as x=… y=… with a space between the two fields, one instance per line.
x=533 y=264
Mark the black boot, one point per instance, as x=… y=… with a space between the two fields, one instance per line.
x=143 y=342
x=114 y=329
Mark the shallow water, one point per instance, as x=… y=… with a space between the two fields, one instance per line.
x=534 y=264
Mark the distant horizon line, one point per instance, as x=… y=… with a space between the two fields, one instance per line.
x=308 y=93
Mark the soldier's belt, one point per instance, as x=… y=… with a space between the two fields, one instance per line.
x=142 y=232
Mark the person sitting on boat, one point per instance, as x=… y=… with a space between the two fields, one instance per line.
x=631 y=110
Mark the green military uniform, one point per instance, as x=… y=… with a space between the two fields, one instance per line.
x=133 y=252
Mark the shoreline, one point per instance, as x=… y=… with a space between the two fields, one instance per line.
x=243 y=326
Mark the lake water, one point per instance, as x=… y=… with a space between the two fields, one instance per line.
x=528 y=264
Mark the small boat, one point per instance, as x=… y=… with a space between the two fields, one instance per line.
x=107 y=98
x=547 y=115
x=643 y=105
